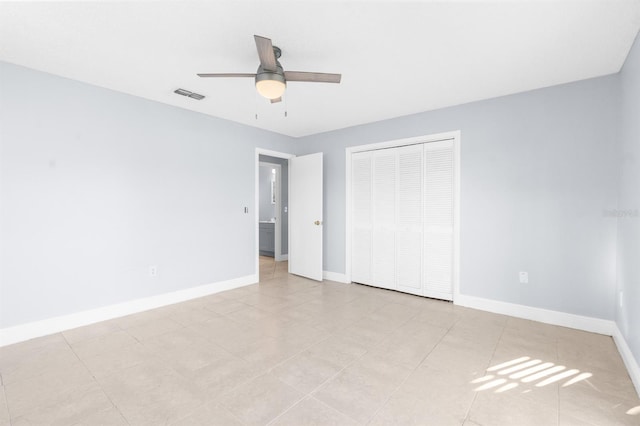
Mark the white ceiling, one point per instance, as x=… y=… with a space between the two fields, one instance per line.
x=396 y=58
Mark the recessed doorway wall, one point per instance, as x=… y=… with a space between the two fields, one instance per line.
x=270 y=211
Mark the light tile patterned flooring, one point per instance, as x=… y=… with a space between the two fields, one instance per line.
x=290 y=351
x=269 y=268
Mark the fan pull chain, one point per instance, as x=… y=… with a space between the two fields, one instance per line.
x=285 y=107
x=255 y=103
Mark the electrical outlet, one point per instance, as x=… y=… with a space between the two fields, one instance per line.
x=153 y=271
x=524 y=277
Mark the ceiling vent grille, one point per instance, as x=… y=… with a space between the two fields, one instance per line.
x=189 y=94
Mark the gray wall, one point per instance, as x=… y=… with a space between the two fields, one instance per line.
x=538 y=168
x=628 y=316
x=96 y=186
x=284 y=198
x=267 y=210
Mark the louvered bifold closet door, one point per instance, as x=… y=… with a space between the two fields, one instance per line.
x=361 y=219
x=438 y=219
x=409 y=235
x=384 y=218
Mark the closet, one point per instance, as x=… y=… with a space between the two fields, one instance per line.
x=402 y=218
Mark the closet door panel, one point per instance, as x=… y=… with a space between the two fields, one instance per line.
x=361 y=220
x=384 y=253
x=384 y=188
x=384 y=217
x=409 y=235
x=438 y=219
x=409 y=261
x=438 y=265
x=361 y=258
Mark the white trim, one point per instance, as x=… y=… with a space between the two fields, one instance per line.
x=453 y=135
x=278 y=228
x=35 y=329
x=457 y=199
x=563 y=319
x=347 y=211
x=276 y=154
x=407 y=141
x=256 y=189
x=335 y=276
x=283 y=257
x=627 y=356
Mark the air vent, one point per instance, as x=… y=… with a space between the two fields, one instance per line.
x=189 y=94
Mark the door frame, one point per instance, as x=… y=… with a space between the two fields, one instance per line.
x=276 y=154
x=455 y=136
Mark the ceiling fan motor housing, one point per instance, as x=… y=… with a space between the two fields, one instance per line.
x=271 y=84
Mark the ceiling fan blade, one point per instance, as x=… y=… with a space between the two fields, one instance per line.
x=226 y=75
x=276 y=100
x=315 y=77
x=265 y=52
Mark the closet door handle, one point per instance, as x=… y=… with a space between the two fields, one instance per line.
x=317 y=222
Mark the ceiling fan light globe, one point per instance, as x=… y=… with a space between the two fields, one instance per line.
x=271 y=86
x=270 y=89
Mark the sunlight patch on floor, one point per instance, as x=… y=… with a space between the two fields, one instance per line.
x=527 y=370
x=635 y=411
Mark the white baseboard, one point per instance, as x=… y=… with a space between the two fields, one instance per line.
x=282 y=257
x=627 y=356
x=335 y=276
x=563 y=319
x=35 y=329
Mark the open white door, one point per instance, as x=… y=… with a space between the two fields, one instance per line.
x=305 y=216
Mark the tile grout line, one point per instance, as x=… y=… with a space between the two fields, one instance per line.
x=95 y=378
x=55 y=404
x=263 y=372
x=555 y=336
x=6 y=401
x=288 y=408
x=368 y=351
x=28 y=378
x=475 y=395
x=168 y=365
x=310 y=394
x=384 y=403
x=269 y=371
x=332 y=408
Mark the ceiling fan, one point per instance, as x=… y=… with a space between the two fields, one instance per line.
x=271 y=79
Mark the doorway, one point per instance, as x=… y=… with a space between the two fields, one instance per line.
x=303 y=211
x=271 y=218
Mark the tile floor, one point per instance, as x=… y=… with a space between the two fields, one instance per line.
x=269 y=268
x=290 y=351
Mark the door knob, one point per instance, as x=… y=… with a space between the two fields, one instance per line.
x=317 y=222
